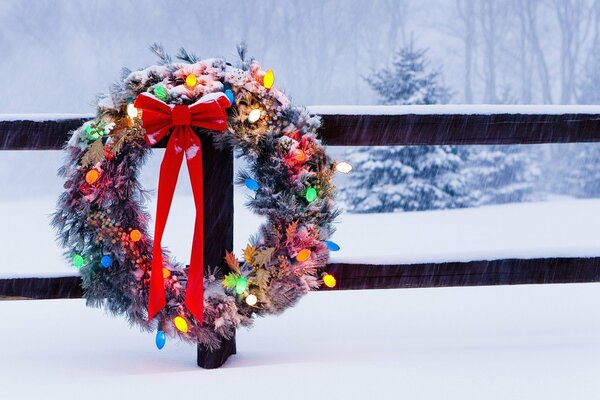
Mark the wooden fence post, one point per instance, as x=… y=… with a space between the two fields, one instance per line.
x=218 y=227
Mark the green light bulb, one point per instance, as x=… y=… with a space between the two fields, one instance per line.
x=311 y=194
x=160 y=92
x=77 y=261
x=240 y=286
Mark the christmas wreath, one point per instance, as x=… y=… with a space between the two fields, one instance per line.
x=103 y=225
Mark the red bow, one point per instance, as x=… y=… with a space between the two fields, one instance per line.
x=158 y=119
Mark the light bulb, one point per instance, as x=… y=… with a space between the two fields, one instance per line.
x=311 y=194
x=92 y=176
x=191 y=80
x=251 y=300
x=135 y=235
x=303 y=255
x=268 y=79
x=132 y=111
x=343 y=167
x=329 y=280
x=254 y=116
x=251 y=184
x=78 y=261
x=161 y=339
x=241 y=285
x=106 y=261
x=181 y=324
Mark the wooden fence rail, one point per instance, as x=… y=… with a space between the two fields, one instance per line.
x=364 y=126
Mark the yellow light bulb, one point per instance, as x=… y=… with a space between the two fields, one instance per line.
x=191 y=80
x=181 y=324
x=254 y=116
x=251 y=300
x=329 y=280
x=343 y=167
x=269 y=79
x=132 y=111
x=166 y=273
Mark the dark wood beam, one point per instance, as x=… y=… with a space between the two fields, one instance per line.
x=373 y=130
x=411 y=129
x=367 y=276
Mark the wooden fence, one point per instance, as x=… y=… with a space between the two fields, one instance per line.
x=361 y=126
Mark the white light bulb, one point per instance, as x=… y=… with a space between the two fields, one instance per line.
x=132 y=111
x=343 y=167
x=254 y=116
x=251 y=300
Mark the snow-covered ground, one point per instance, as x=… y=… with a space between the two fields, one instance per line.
x=559 y=228
x=509 y=342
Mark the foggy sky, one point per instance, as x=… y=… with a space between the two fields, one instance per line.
x=57 y=55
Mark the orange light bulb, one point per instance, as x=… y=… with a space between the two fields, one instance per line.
x=300 y=156
x=92 y=176
x=135 y=235
x=303 y=255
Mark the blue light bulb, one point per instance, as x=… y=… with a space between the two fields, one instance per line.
x=106 y=261
x=251 y=184
x=229 y=95
x=161 y=339
x=333 y=246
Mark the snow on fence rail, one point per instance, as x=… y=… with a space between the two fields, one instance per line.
x=360 y=126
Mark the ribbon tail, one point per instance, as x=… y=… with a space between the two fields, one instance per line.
x=194 y=295
x=169 y=172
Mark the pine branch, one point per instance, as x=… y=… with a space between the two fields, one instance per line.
x=242 y=49
x=183 y=55
x=159 y=50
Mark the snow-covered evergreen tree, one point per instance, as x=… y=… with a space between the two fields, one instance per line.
x=406 y=178
x=502 y=174
x=580 y=175
x=408 y=80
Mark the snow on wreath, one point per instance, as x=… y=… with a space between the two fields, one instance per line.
x=103 y=225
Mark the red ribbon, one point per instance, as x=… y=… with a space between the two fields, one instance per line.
x=158 y=119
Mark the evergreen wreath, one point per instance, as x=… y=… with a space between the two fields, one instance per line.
x=103 y=225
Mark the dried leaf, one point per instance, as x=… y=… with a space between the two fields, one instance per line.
x=249 y=254
x=263 y=257
x=94 y=154
x=123 y=134
x=261 y=279
x=117 y=145
x=290 y=231
x=231 y=261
